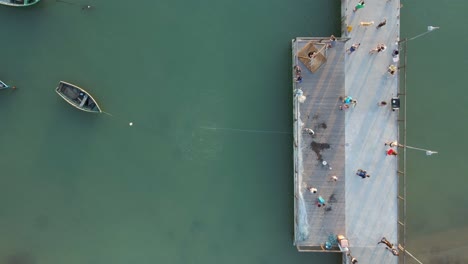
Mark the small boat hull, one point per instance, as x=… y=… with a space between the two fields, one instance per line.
x=4 y=85
x=18 y=3
x=78 y=97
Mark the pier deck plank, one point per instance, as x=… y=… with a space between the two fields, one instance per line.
x=319 y=112
x=364 y=210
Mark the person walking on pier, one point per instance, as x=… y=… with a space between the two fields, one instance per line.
x=380 y=47
x=383 y=23
x=312 y=54
x=362 y=173
x=297 y=70
x=394 y=251
x=359 y=5
x=395 y=55
x=347 y=100
x=353 y=48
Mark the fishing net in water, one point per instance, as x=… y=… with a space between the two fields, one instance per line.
x=302 y=224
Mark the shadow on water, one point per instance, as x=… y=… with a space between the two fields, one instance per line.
x=20 y=258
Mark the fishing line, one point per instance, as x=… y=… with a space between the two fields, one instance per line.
x=84 y=7
x=124 y=120
x=62 y=1
x=245 y=130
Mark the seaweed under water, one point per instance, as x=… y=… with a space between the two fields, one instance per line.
x=20 y=258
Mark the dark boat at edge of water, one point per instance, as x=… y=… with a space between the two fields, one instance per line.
x=78 y=97
x=5 y=86
x=18 y=3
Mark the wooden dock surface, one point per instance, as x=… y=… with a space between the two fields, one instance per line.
x=364 y=210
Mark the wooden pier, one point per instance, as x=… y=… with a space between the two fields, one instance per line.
x=362 y=209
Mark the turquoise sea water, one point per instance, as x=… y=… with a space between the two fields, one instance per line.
x=83 y=188
x=437 y=120
x=205 y=173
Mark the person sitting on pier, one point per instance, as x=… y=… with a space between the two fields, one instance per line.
x=312 y=54
x=394 y=251
x=297 y=70
x=298 y=79
x=380 y=47
x=362 y=173
x=312 y=189
x=385 y=242
x=347 y=99
x=309 y=131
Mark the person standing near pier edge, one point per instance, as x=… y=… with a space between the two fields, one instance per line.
x=298 y=71
x=332 y=42
x=360 y=5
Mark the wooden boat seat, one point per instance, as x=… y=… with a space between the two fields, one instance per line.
x=72 y=94
x=83 y=101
